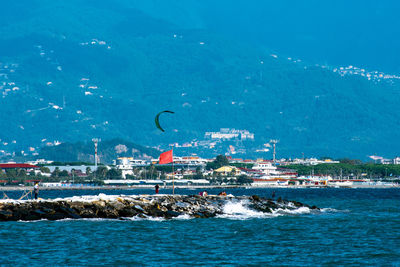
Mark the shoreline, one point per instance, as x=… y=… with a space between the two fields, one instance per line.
x=124 y=187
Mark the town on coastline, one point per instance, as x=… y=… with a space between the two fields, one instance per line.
x=194 y=171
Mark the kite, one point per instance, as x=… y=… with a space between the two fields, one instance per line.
x=157 y=119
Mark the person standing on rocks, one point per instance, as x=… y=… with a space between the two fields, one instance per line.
x=203 y=193
x=36 y=190
x=157 y=188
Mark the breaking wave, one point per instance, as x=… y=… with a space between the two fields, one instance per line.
x=327 y=210
x=241 y=211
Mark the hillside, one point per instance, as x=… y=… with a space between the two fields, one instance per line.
x=71 y=71
x=108 y=151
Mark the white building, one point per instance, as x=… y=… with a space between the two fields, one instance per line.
x=230 y=134
x=127 y=164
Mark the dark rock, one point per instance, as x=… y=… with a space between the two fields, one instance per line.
x=68 y=212
x=5 y=215
x=140 y=206
x=172 y=214
x=39 y=212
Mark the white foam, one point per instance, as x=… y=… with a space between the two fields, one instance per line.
x=183 y=217
x=240 y=211
x=41 y=220
x=333 y=210
x=148 y=218
x=301 y=210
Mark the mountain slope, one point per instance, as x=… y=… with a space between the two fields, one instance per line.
x=88 y=70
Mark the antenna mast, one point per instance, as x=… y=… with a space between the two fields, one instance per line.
x=96 y=158
x=274 y=142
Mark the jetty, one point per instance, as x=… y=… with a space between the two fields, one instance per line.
x=142 y=206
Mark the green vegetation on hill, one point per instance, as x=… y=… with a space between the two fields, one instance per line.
x=208 y=80
x=368 y=170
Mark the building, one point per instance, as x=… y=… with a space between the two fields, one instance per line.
x=228 y=171
x=227 y=134
x=313 y=161
x=27 y=167
x=193 y=161
x=127 y=164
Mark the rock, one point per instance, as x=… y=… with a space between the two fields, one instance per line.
x=69 y=212
x=5 y=215
x=171 y=214
x=141 y=206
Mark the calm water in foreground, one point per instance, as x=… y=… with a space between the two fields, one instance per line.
x=356 y=227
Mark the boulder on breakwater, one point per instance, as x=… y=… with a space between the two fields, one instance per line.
x=120 y=207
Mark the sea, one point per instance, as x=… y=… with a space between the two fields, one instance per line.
x=355 y=227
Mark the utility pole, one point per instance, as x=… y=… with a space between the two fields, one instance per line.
x=274 y=142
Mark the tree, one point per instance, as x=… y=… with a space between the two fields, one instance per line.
x=113 y=174
x=130 y=177
x=56 y=172
x=63 y=173
x=21 y=172
x=11 y=173
x=101 y=172
x=44 y=169
x=219 y=161
x=244 y=179
x=351 y=161
x=199 y=174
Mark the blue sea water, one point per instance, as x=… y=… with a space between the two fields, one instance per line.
x=356 y=227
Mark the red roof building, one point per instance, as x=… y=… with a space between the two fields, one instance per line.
x=17 y=165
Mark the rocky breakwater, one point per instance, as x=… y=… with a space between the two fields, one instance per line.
x=142 y=206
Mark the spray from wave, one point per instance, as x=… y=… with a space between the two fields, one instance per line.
x=240 y=210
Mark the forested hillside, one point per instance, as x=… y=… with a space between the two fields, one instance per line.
x=73 y=70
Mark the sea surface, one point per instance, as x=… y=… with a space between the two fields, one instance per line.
x=355 y=227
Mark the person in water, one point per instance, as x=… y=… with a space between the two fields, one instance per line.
x=36 y=190
x=157 y=188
